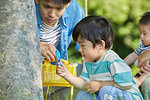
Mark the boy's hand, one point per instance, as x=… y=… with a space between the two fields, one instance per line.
x=61 y=70
x=48 y=51
x=93 y=86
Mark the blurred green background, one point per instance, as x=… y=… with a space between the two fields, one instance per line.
x=124 y=16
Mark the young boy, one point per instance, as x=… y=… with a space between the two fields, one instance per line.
x=144 y=25
x=56 y=20
x=104 y=72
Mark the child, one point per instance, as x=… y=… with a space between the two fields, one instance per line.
x=104 y=73
x=144 y=45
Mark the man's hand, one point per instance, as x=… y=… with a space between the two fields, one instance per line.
x=144 y=62
x=48 y=51
x=93 y=86
x=145 y=67
x=144 y=56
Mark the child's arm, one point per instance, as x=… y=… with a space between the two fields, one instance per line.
x=95 y=86
x=131 y=58
x=75 y=81
x=140 y=80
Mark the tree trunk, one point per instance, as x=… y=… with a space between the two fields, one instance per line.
x=20 y=57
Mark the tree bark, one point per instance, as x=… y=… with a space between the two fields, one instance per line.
x=20 y=56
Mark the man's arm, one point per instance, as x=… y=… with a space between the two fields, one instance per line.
x=131 y=58
x=145 y=67
x=144 y=56
x=74 y=80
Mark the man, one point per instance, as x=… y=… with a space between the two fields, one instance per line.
x=56 y=20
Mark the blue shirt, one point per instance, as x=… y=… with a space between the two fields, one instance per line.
x=72 y=15
x=111 y=68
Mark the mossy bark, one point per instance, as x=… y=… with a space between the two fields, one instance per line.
x=20 y=57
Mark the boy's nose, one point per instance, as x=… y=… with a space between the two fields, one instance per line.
x=141 y=36
x=80 y=50
x=52 y=13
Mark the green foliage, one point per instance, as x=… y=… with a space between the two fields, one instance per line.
x=74 y=55
x=135 y=70
x=124 y=16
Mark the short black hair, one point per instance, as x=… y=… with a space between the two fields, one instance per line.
x=145 y=19
x=60 y=3
x=94 y=29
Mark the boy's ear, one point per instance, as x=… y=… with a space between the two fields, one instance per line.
x=36 y=1
x=102 y=43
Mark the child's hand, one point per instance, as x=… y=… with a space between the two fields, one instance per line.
x=93 y=86
x=61 y=70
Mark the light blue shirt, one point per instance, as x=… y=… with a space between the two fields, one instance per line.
x=111 y=68
x=72 y=15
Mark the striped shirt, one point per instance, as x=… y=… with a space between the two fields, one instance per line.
x=50 y=35
x=141 y=48
x=111 y=68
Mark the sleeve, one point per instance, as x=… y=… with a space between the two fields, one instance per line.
x=81 y=16
x=79 y=13
x=121 y=73
x=39 y=33
x=139 y=49
x=39 y=21
x=84 y=73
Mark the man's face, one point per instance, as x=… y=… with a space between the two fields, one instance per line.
x=50 y=13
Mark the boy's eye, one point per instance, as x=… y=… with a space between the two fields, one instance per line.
x=144 y=33
x=82 y=45
x=60 y=8
x=47 y=6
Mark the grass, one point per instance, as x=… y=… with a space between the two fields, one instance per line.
x=52 y=95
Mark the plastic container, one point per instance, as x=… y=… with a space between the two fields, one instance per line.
x=50 y=78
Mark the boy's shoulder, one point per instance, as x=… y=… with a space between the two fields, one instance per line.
x=74 y=3
x=73 y=14
x=74 y=7
x=111 y=56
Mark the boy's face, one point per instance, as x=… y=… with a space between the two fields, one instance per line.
x=145 y=34
x=88 y=52
x=50 y=13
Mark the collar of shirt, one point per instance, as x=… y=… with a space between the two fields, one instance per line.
x=97 y=63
